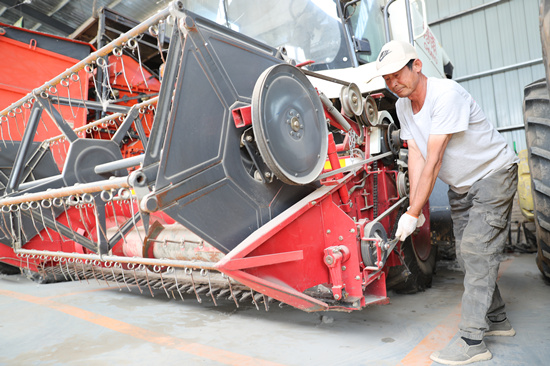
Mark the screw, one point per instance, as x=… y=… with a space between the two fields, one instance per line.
x=357 y=278
x=344 y=268
x=340 y=238
x=249 y=138
x=352 y=231
x=328 y=231
x=336 y=297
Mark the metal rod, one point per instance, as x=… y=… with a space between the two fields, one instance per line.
x=324 y=77
x=465 y=12
x=389 y=210
x=104 y=119
x=119 y=259
x=118 y=164
x=19 y=163
x=354 y=165
x=387 y=20
x=140 y=28
x=500 y=69
x=103 y=185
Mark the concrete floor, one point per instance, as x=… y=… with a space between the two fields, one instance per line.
x=91 y=324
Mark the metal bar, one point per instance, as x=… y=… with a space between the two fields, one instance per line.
x=19 y=163
x=103 y=120
x=500 y=69
x=354 y=165
x=118 y=164
x=409 y=21
x=387 y=20
x=324 y=77
x=465 y=12
x=115 y=258
x=67 y=191
x=90 y=104
x=141 y=28
x=56 y=116
x=389 y=210
x=511 y=128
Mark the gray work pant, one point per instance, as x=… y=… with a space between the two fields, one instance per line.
x=480 y=223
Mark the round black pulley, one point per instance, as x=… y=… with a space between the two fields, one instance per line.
x=289 y=124
x=373 y=230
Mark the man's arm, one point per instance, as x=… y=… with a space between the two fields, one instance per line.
x=423 y=173
x=416 y=164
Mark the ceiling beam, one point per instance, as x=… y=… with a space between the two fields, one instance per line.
x=28 y=11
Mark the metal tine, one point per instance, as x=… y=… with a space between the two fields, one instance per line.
x=101 y=62
x=132 y=267
x=116 y=220
x=54 y=220
x=158 y=269
x=43 y=223
x=114 y=276
x=148 y=284
x=72 y=261
x=68 y=270
x=92 y=265
x=119 y=265
x=232 y=294
x=21 y=223
x=254 y=299
x=60 y=264
x=6 y=233
x=118 y=52
x=84 y=274
x=83 y=220
x=189 y=271
x=141 y=66
x=177 y=286
x=210 y=286
x=33 y=222
x=65 y=83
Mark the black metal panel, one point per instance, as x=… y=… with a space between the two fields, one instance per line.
x=203 y=180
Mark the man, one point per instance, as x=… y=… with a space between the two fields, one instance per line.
x=449 y=136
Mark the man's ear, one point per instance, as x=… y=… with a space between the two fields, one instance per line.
x=417 y=65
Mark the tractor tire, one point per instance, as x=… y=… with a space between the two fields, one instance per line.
x=536 y=114
x=7 y=269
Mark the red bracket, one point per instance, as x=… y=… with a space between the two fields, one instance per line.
x=334 y=258
x=242 y=116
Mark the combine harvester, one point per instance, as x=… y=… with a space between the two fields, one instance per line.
x=266 y=168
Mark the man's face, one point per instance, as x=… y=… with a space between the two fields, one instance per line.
x=404 y=82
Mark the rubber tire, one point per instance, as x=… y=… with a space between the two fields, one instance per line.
x=536 y=116
x=421 y=271
x=7 y=269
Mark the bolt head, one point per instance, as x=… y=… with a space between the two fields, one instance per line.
x=337 y=297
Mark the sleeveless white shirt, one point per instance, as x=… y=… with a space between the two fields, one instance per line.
x=476 y=148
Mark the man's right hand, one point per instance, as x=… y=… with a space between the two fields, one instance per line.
x=406 y=226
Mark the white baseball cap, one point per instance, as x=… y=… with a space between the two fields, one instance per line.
x=394 y=56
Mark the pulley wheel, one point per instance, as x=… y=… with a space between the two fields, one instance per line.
x=289 y=124
x=352 y=101
x=368 y=248
x=371 y=111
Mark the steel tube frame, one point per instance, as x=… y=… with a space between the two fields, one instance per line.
x=67 y=191
x=129 y=260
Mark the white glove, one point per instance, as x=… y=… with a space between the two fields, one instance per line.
x=421 y=218
x=406 y=226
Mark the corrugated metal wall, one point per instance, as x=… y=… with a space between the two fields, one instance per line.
x=496 y=50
